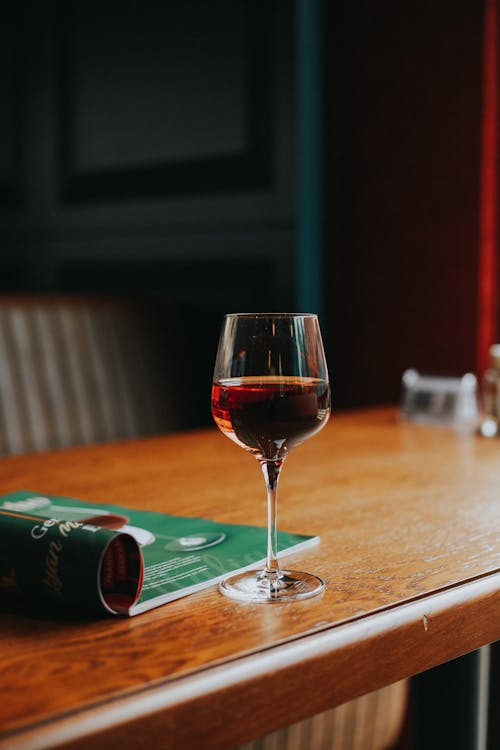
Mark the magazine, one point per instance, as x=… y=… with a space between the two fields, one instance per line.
x=120 y=559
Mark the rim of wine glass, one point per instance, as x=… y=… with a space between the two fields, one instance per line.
x=270 y=315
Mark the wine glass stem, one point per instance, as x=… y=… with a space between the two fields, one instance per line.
x=271 y=471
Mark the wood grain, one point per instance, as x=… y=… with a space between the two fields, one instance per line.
x=409 y=524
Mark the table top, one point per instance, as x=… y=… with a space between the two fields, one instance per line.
x=409 y=520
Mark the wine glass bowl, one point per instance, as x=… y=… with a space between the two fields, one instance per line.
x=270 y=393
x=270 y=416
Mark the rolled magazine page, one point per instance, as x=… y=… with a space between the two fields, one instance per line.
x=73 y=562
x=168 y=556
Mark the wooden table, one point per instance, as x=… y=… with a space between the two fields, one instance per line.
x=409 y=519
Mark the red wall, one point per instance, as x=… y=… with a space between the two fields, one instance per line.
x=404 y=132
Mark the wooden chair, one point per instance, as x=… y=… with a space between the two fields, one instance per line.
x=83 y=370
x=78 y=370
x=372 y=722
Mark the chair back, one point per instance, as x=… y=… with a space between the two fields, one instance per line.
x=77 y=370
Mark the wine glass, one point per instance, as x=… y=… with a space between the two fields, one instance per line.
x=270 y=393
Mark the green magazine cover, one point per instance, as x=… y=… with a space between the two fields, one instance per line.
x=121 y=559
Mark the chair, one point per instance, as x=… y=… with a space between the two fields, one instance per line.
x=372 y=722
x=77 y=370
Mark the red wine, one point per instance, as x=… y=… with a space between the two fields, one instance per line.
x=270 y=415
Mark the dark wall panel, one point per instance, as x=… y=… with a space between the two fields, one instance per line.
x=164 y=98
x=11 y=84
x=148 y=132
x=171 y=71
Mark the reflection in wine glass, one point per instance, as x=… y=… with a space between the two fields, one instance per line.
x=270 y=393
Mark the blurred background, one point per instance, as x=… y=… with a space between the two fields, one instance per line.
x=332 y=156
x=199 y=157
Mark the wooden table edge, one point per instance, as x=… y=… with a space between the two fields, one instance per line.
x=371 y=645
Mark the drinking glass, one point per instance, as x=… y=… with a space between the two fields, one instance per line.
x=270 y=393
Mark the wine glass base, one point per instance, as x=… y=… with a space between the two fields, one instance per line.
x=257 y=586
